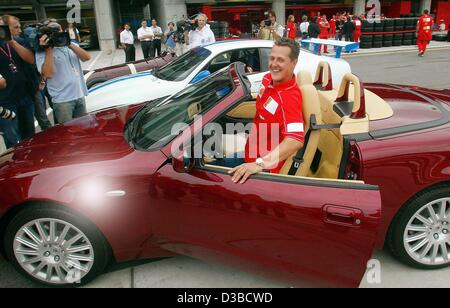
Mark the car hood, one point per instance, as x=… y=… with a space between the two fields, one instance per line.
x=129 y=90
x=93 y=138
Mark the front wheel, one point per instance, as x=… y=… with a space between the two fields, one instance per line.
x=55 y=247
x=420 y=234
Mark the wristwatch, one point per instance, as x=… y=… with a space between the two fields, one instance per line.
x=260 y=162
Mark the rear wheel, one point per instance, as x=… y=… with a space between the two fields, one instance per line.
x=419 y=235
x=55 y=247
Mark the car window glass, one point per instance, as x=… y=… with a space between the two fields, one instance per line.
x=154 y=125
x=265 y=55
x=180 y=68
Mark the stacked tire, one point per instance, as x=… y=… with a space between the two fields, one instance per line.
x=399 y=25
x=410 y=25
x=388 y=38
x=378 y=38
x=367 y=40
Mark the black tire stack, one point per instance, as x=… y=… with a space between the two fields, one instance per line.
x=399 y=25
x=214 y=25
x=367 y=40
x=410 y=25
x=388 y=38
x=224 y=29
x=378 y=26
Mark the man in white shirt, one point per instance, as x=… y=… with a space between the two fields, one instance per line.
x=202 y=35
x=157 y=31
x=146 y=36
x=127 y=43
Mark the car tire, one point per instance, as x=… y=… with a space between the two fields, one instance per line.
x=438 y=234
x=93 y=258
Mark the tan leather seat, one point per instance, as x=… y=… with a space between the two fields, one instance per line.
x=311 y=105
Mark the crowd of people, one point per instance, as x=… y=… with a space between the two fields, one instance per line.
x=33 y=73
x=153 y=40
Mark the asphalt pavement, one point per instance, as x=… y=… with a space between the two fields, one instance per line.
x=400 y=67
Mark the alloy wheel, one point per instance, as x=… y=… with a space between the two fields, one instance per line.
x=53 y=251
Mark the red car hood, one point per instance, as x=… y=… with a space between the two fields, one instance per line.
x=92 y=138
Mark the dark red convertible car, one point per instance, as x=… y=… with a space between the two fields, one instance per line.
x=120 y=185
x=101 y=75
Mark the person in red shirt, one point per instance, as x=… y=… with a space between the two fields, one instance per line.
x=278 y=130
x=291 y=28
x=333 y=27
x=424 y=32
x=358 y=26
x=324 y=32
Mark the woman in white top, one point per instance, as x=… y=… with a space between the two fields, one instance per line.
x=73 y=33
x=304 y=27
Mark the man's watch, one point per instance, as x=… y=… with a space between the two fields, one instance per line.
x=260 y=162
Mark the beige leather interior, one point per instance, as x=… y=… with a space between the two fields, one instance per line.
x=311 y=105
x=329 y=142
x=234 y=143
x=323 y=76
x=245 y=110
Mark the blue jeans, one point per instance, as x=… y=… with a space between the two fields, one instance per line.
x=22 y=127
x=232 y=161
x=69 y=110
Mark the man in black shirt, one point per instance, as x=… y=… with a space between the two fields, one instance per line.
x=349 y=30
x=314 y=28
x=18 y=94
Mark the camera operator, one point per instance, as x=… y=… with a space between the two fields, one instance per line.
x=18 y=93
x=200 y=36
x=271 y=29
x=61 y=69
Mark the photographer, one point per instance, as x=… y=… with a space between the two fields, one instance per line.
x=202 y=35
x=18 y=94
x=61 y=68
x=170 y=37
x=271 y=30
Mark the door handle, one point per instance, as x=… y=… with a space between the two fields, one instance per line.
x=342 y=216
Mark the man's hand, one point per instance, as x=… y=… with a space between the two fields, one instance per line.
x=43 y=41
x=243 y=172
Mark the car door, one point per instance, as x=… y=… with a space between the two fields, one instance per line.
x=305 y=231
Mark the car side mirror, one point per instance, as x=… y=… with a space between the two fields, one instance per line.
x=200 y=76
x=182 y=163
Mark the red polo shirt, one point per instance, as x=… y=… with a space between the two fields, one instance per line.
x=278 y=115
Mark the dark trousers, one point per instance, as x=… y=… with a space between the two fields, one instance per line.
x=22 y=127
x=349 y=37
x=130 y=53
x=40 y=110
x=156 y=48
x=147 y=49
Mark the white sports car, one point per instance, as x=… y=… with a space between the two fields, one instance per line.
x=196 y=65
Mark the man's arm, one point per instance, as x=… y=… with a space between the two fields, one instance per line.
x=26 y=54
x=187 y=36
x=80 y=52
x=285 y=149
x=47 y=69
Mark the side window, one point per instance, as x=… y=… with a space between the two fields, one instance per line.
x=219 y=62
x=264 y=57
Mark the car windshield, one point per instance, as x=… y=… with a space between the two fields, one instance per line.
x=152 y=127
x=180 y=68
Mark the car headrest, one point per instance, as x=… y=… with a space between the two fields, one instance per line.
x=304 y=78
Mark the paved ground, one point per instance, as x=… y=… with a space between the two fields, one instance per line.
x=403 y=67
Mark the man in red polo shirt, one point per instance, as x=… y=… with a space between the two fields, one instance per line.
x=424 y=32
x=278 y=131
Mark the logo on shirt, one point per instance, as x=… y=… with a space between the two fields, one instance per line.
x=261 y=91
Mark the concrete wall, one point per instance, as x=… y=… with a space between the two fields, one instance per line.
x=279 y=7
x=104 y=15
x=166 y=11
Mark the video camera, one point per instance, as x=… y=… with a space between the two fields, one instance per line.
x=184 y=26
x=268 y=22
x=5 y=34
x=56 y=38
x=7 y=114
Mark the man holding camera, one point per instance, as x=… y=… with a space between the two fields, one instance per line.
x=59 y=63
x=200 y=36
x=271 y=29
x=17 y=96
